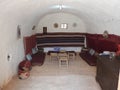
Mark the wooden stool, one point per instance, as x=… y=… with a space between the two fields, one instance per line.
x=53 y=55
x=71 y=55
x=63 y=57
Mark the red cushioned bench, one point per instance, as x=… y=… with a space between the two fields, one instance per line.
x=29 y=43
x=91 y=60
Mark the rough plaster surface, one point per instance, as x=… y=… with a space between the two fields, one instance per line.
x=97 y=15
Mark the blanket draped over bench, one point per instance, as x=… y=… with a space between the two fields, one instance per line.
x=60 y=39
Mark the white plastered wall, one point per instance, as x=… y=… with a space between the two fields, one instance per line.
x=75 y=24
x=11 y=16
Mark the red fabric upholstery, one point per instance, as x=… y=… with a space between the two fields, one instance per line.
x=118 y=47
x=118 y=52
x=92 y=42
x=33 y=41
x=91 y=60
x=100 y=44
x=29 y=43
x=107 y=45
x=38 y=59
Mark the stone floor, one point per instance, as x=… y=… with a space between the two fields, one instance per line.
x=77 y=76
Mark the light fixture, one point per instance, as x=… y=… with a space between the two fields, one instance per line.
x=60 y=7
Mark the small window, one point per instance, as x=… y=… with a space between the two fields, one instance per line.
x=64 y=25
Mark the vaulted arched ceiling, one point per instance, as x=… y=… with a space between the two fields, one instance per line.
x=98 y=15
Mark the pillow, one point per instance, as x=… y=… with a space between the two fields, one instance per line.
x=91 y=51
x=34 y=50
x=29 y=57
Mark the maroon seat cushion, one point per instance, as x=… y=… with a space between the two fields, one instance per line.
x=107 y=45
x=38 y=59
x=91 y=60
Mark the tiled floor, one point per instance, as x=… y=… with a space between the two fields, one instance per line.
x=77 y=76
